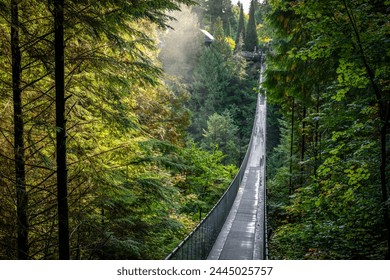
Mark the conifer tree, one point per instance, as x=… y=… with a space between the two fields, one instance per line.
x=61 y=152
x=251 y=40
x=19 y=149
x=221 y=132
x=240 y=37
x=220 y=9
x=211 y=79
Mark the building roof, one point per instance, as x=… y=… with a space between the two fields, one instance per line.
x=208 y=37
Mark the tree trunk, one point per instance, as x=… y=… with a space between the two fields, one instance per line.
x=291 y=145
x=62 y=176
x=316 y=137
x=303 y=145
x=20 y=171
x=383 y=134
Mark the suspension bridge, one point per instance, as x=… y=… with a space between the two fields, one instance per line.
x=236 y=227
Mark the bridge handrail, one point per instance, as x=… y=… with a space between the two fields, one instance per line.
x=199 y=242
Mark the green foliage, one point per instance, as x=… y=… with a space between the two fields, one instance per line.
x=130 y=171
x=212 y=77
x=223 y=82
x=251 y=41
x=220 y=9
x=205 y=180
x=241 y=27
x=325 y=198
x=222 y=134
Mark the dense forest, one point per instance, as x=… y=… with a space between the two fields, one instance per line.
x=121 y=126
x=328 y=80
x=112 y=146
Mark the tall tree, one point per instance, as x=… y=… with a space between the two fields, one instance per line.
x=61 y=152
x=222 y=133
x=19 y=149
x=251 y=41
x=220 y=9
x=212 y=76
x=240 y=37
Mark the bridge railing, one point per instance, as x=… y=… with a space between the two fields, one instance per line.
x=198 y=244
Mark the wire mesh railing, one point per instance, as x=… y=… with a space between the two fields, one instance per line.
x=198 y=244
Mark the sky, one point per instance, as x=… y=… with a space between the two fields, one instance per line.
x=245 y=2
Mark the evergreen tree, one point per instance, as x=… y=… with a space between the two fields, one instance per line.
x=220 y=9
x=251 y=40
x=61 y=131
x=222 y=133
x=19 y=147
x=211 y=79
x=222 y=81
x=240 y=37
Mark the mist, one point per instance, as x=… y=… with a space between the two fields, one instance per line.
x=180 y=45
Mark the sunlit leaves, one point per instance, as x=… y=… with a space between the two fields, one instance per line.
x=350 y=76
x=222 y=133
x=128 y=161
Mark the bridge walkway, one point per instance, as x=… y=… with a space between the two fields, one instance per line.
x=241 y=237
x=235 y=228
